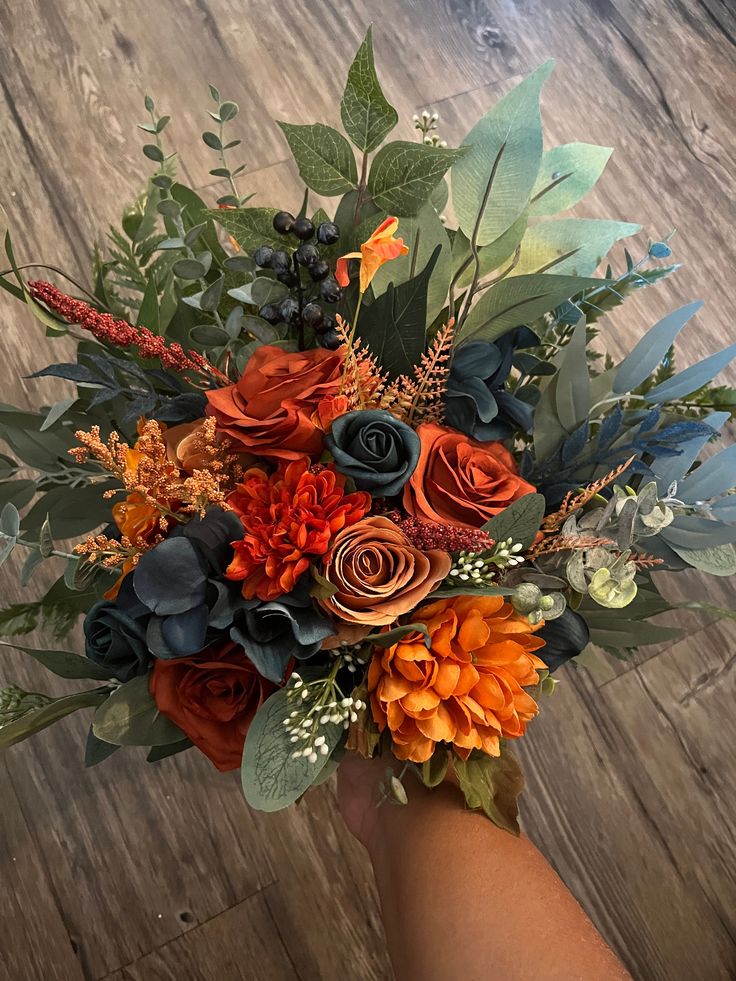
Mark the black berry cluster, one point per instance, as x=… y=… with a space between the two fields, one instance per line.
x=303 y=307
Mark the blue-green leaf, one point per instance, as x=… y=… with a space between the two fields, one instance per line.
x=652 y=348
x=715 y=476
x=691 y=379
x=566 y=174
x=572 y=391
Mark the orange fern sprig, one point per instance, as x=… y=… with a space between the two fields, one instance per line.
x=573 y=502
x=566 y=543
x=363 y=380
x=422 y=398
x=645 y=561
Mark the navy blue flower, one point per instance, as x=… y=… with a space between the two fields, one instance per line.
x=274 y=631
x=375 y=448
x=178 y=591
x=477 y=402
x=115 y=641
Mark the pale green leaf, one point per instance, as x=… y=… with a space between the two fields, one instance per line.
x=130 y=717
x=569 y=246
x=566 y=174
x=492 y=784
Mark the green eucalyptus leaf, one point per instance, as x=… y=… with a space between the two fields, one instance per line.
x=189 y=269
x=492 y=784
x=210 y=299
x=520 y=521
x=153 y=152
x=403 y=175
x=272 y=779
x=129 y=717
x=367 y=116
x=323 y=156
x=9 y=520
x=520 y=300
x=492 y=183
x=33 y=560
x=566 y=174
x=45 y=539
x=209 y=335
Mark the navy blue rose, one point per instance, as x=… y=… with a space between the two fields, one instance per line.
x=273 y=632
x=563 y=638
x=477 y=403
x=377 y=450
x=178 y=591
x=115 y=641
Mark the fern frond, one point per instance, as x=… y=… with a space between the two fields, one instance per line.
x=422 y=398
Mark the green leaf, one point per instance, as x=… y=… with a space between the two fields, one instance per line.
x=228 y=111
x=569 y=246
x=159 y=753
x=271 y=778
x=10 y=521
x=394 y=326
x=492 y=784
x=148 y=314
x=65 y=664
x=572 y=389
x=55 y=413
x=250 y=227
x=490 y=257
x=691 y=379
x=720 y=560
x=390 y=637
x=45 y=539
x=434 y=770
x=209 y=335
x=323 y=156
x=403 y=175
x=519 y=300
x=189 y=269
x=652 y=349
x=520 y=521
x=153 y=152
x=20 y=492
x=566 y=174
x=422 y=234
x=38 y=719
x=367 y=116
x=467 y=589
x=210 y=299
x=96 y=751
x=491 y=184
x=129 y=717
x=33 y=560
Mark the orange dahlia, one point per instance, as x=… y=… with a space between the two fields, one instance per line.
x=290 y=519
x=466 y=688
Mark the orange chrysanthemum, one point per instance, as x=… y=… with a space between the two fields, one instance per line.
x=467 y=688
x=290 y=519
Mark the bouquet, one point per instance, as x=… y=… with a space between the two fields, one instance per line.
x=355 y=479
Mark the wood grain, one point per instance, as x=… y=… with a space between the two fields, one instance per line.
x=162 y=872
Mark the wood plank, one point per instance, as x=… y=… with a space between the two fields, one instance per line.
x=32 y=920
x=636 y=826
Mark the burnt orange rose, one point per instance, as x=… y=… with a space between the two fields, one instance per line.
x=213 y=698
x=467 y=688
x=378 y=574
x=459 y=481
x=274 y=409
x=184 y=446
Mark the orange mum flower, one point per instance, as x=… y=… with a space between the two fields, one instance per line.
x=379 y=248
x=290 y=519
x=467 y=688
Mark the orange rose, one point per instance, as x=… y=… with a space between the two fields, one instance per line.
x=459 y=481
x=274 y=409
x=378 y=573
x=212 y=697
x=184 y=446
x=466 y=688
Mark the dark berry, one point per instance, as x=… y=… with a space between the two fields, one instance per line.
x=331 y=340
x=289 y=310
x=283 y=222
x=328 y=233
x=312 y=315
x=330 y=291
x=280 y=261
x=328 y=323
x=287 y=277
x=307 y=254
x=262 y=256
x=270 y=313
x=319 y=270
x=303 y=228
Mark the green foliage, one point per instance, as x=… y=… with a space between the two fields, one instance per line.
x=44 y=715
x=56 y=613
x=569 y=246
x=566 y=174
x=492 y=183
x=272 y=778
x=65 y=664
x=519 y=522
x=366 y=114
x=250 y=227
x=129 y=717
x=492 y=784
x=403 y=175
x=325 y=160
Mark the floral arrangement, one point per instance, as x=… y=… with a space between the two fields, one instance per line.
x=359 y=480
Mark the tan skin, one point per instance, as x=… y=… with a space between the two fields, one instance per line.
x=461 y=899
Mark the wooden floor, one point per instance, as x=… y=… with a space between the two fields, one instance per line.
x=133 y=873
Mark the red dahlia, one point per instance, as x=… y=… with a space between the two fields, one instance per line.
x=290 y=519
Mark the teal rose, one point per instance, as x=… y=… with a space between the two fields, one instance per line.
x=376 y=449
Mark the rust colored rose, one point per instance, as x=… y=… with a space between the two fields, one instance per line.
x=213 y=698
x=274 y=409
x=378 y=574
x=459 y=481
x=184 y=446
x=467 y=688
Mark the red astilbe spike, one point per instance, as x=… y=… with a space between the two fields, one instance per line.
x=426 y=535
x=107 y=328
x=422 y=398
